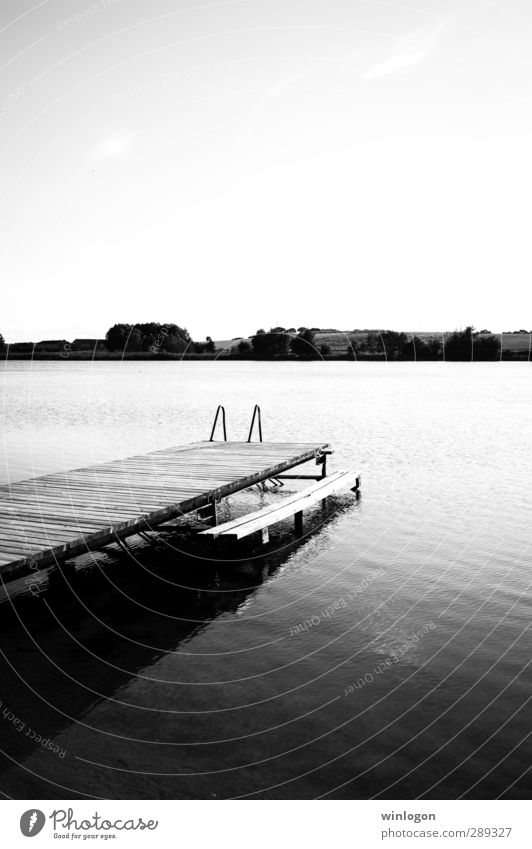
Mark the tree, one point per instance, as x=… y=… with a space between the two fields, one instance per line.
x=303 y=345
x=2 y=344
x=374 y=343
x=325 y=349
x=428 y=349
x=175 y=344
x=210 y=347
x=270 y=344
x=486 y=347
x=135 y=340
x=115 y=338
x=160 y=336
x=243 y=347
x=151 y=336
x=459 y=345
x=397 y=345
x=470 y=345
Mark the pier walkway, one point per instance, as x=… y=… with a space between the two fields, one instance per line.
x=46 y=520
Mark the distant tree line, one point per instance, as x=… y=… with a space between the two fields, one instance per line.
x=155 y=337
x=280 y=342
x=467 y=344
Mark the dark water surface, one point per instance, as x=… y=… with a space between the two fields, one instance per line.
x=386 y=653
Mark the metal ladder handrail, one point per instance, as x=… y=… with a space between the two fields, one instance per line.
x=256 y=412
x=222 y=408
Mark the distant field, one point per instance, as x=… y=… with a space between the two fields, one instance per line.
x=225 y=345
x=516 y=342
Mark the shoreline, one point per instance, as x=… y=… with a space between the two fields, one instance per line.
x=139 y=356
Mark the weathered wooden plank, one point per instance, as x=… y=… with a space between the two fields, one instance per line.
x=40 y=520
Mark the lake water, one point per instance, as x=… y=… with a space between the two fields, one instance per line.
x=384 y=654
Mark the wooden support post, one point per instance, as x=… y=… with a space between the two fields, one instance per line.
x=209 y=513
x=298 y=522
x=322 y=461
x=356 y=487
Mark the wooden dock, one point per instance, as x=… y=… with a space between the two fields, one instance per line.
x=48 y=519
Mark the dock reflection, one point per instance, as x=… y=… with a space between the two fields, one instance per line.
x=99 y=622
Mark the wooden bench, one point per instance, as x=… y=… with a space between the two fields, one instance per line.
x=293 y=505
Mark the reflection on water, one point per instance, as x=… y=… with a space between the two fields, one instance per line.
x=384 y=653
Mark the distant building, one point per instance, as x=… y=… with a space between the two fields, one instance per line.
x=21 y=347
x=88 y=345
x=52 y=345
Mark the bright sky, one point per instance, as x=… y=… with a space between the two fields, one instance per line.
x=234 y=165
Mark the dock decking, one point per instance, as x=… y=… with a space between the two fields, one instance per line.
x=45 y=520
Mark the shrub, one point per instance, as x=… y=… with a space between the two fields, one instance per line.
x=303 y=345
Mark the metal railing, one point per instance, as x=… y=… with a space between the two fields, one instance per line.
x=256 y=415
x=222 y=408
x=256 y=419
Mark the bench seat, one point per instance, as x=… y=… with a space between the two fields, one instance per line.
x=293 y=505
